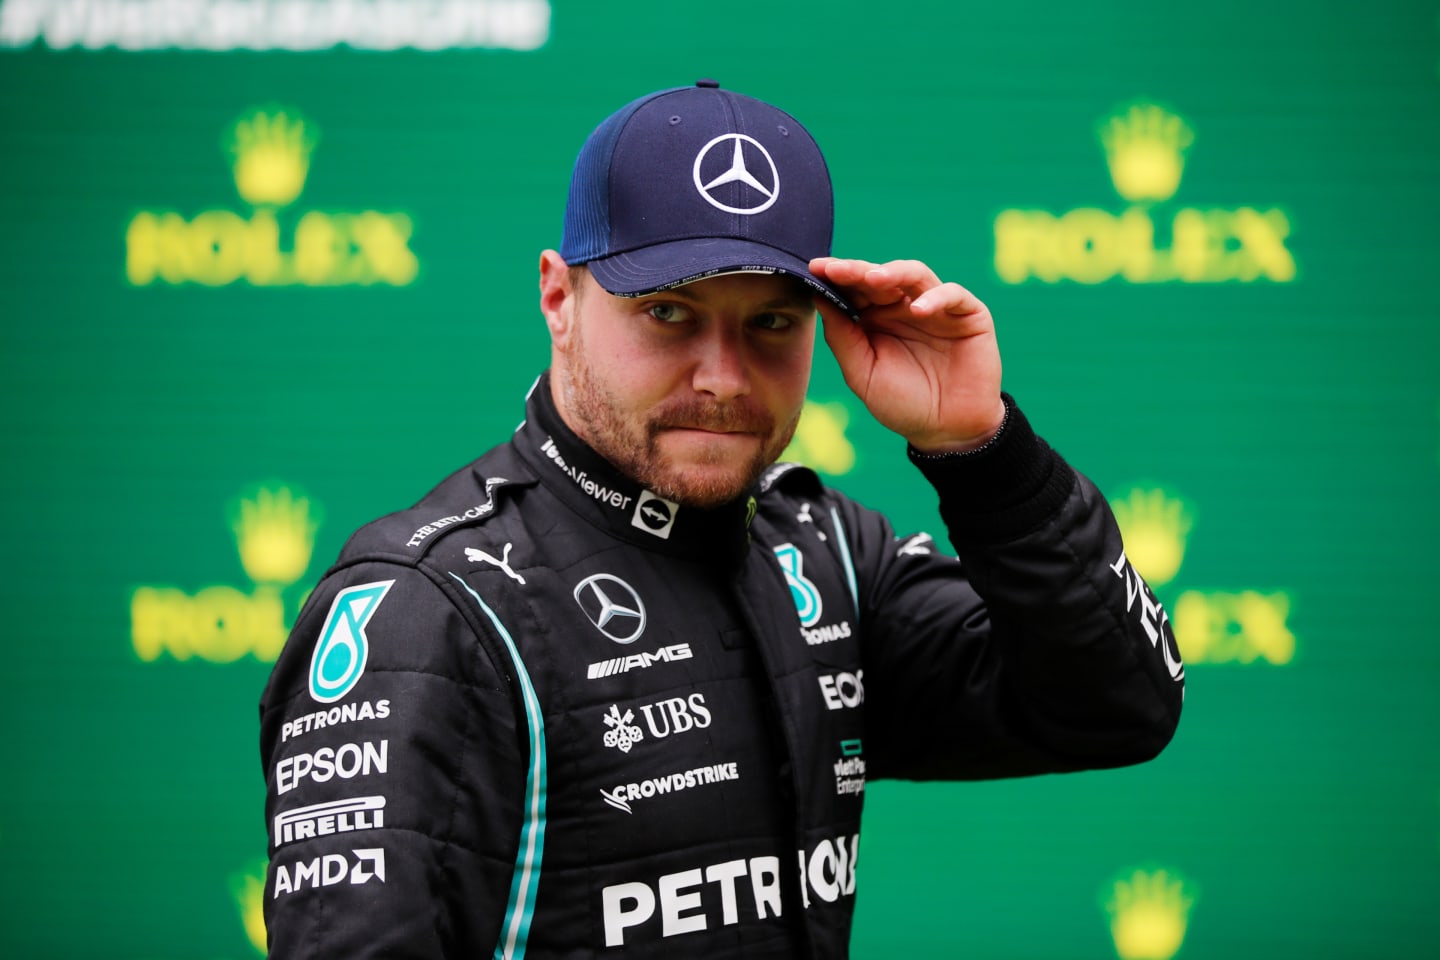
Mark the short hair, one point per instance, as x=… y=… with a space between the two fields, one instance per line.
x=576 y=275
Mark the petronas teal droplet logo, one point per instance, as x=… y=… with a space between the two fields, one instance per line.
x=806 y=597
x=343 y=648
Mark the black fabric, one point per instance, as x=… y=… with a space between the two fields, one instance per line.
x=704 y=770
x=1006 y=488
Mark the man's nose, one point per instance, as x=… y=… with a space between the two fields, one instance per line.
x=721 y=368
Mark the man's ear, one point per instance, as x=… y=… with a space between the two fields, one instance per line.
x=557 y=298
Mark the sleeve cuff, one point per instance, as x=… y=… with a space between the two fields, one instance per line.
x=1002 y=490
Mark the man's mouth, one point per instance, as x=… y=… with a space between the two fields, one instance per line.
x=702 y=428
x=716 y=421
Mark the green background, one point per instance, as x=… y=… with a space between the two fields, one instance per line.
x=1298 y=422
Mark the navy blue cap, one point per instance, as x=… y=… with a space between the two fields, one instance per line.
x=694 y=182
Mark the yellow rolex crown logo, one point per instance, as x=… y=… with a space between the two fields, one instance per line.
x=271 y=156
x=820 y=441
x=1149 y=913
x=1145 y=148
x=275 y=531
x=1155 y=527
x=249 y=891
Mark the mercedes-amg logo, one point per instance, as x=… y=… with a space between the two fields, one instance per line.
x=613 y=606
x=738 y=172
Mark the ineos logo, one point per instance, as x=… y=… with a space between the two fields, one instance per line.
x=763 y=197
x=613 y=606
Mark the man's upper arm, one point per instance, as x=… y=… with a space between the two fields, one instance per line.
x=394 y=774
x=1038 y=650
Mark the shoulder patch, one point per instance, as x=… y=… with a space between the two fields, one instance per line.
x=478 y=511
x=468 y=496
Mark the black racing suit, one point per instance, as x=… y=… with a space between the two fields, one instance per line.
x=546 y=712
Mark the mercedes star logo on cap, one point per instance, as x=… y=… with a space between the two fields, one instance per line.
x=762 y=196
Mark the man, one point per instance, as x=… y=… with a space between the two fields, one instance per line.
x=616 y=687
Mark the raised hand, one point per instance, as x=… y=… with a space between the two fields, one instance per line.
x=923 y=356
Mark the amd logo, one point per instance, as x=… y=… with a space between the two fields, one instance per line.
x=327 y=871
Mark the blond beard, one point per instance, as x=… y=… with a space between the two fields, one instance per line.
x=632 y=447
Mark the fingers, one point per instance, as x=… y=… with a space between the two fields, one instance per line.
x=947 y=298
x=849 y=275
x=848 y=341
x=876 y=284
x=870 y=284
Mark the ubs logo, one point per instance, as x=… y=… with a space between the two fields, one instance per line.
x=755 y=196
x=613 y=606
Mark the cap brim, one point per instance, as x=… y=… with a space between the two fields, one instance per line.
x=664 y=266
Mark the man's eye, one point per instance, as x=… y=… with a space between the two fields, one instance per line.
x=774 y=321
x=669 y=312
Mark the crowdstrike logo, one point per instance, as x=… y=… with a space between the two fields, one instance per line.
x=621 y=797
x=613 y=607
x=734 y=147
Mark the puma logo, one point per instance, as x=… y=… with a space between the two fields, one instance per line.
x=480 y=556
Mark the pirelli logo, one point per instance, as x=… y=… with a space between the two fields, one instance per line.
x=335 y=816
x=638 y=661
